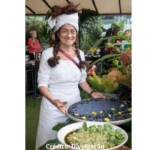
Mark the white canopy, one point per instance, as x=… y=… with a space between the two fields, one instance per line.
x=103 y=7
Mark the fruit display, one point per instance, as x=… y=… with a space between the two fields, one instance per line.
x=100 y=110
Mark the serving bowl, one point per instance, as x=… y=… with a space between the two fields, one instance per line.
x=116 y=122
x=65 y=130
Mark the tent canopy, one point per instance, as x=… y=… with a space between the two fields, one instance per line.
x=103 y=7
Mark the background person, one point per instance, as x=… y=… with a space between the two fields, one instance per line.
x=33 y=45
x=115 y=33
x=128 y=33
x=104 y=42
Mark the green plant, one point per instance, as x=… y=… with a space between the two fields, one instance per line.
x=91 y=33
x=118 y=53
x=103 y=85
x=61 y=125
x=46 y=32
x=121 y=24
x=87 y=20
x=84 y=95
x=35 y=23
x=50 y=12
x=115 y=136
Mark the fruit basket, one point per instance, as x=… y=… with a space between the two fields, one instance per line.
x=100 y=110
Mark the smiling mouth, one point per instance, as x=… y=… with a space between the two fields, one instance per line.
x=68 y=40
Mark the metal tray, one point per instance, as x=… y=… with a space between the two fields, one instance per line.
x=119 y=122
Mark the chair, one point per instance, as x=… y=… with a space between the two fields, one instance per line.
x=29 y=69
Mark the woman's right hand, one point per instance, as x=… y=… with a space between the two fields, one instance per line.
x=59 y=104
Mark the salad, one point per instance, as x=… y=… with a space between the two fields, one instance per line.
x=95 y=136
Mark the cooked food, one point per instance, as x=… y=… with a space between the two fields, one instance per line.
x=101 y=110
x=100 y=137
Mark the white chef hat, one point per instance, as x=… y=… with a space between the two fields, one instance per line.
x=71 y=19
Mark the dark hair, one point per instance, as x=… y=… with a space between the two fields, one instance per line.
x=109 y=32
x=104 y=42
x=53 y=61
x=116 y=30
x=68 y=9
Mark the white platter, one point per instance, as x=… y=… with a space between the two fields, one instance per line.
x=65 y=130
x=119 y=122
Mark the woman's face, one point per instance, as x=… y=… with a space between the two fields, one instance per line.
x=34 y=35
x=128 y=33
x=67 y=35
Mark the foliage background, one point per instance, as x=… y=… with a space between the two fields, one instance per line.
x=35 y=23
x=90 y=29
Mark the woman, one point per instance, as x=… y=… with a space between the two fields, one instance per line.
x=128 y=33
x=116 y=30
x=124 y=42
x=104 y=42
x=58 y=76
x=115 y=33
x=109 y=50
x=33 y=44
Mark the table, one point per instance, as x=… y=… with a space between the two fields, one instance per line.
x=34 y=75
x=35 y=65
x=91 y=58
x=30 y=79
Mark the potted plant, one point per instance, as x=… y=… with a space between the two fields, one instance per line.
x=119 y=79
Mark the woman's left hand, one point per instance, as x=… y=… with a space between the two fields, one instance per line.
x=98 y=95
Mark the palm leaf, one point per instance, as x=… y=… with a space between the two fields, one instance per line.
x=95 y=85
x=114 y=25
x=103 y=58
x=122 y=24
x=115 y=58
